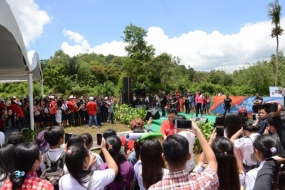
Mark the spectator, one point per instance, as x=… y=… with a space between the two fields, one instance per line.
x=230 y=169
x=79 y=178
x=176 y=153
x=125 y=174
x=264 y=147
x=6 y=164
x=151 y=168
x=27 y=159
x=245 y=144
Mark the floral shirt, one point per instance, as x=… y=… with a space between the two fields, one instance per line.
x=32 y=181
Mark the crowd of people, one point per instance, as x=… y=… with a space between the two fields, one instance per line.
x=245 y=155
x=56 y=111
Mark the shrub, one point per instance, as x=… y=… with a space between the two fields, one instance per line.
x=206 y=129
x=126 y=113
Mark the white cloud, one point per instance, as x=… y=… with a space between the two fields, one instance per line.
x=30 y=19
x=82 y=46
x=200 y=50
x=74 y=36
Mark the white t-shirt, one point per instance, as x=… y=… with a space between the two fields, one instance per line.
x=101 y=178
x=138 y=173
x=190 y=164
x=95 y=166
x=54 y=155
x=251 y=176
x=245 y=144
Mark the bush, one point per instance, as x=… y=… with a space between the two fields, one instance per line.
x=206 y=129
x=125 y=113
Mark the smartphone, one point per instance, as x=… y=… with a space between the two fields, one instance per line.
x=99 y=137
x=220 y=120
x=220 y=131
x=67 y=136
x=253 y=117
x=183 y=124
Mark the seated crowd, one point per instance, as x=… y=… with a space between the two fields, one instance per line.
x=246 y=156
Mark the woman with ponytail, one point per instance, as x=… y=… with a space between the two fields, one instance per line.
x=230 y=169
x=264 y=147
x=126 y=170
x=27 y=158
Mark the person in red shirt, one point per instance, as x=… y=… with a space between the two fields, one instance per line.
x=20 y=117
x=73 y=117
x=52 y=111
x=168 y=127
x=2 y=107
x=92 y=112
x=13 y=108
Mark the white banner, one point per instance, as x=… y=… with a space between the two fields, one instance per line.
x=276 y=91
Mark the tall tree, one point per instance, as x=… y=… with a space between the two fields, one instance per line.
x=274 y=13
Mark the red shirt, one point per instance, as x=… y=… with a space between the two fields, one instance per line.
x=32 y=181
x=168 y=128
x=20 y=112
x=52 y=107
x=2 y=105
x=130 y=145
x=91 y=108
x=13 y=108
x=72 y=106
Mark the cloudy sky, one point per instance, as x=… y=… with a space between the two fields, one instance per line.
x=205 y=34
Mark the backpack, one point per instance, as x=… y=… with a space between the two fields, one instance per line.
x=54 y=170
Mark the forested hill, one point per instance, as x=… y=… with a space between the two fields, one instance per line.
x=90 y=74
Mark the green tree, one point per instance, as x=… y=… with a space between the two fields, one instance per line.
x=274 y=13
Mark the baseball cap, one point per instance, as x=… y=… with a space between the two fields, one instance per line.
x=106 y=98
x=16 y=138
x=91 y=98
x=71 y=97
x=51 y=97
x=14 y=97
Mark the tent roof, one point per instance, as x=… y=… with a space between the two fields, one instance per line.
x=14 y=62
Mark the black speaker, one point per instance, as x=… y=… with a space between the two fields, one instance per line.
x=127 y=91
x=152 y=113
x=202 y=120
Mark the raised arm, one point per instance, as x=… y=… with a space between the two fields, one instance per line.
x=109 y=159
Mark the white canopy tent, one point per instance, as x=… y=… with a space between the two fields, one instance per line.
x=15 y=64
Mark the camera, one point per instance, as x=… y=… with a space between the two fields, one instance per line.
x=269 y=107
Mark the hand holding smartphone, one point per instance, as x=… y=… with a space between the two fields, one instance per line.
x=183 y=124
x=99 y=137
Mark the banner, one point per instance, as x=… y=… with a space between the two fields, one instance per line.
x=276 y=91
x=239 y=101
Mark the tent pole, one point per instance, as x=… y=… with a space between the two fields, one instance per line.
x=31 y=100
x=42 y=87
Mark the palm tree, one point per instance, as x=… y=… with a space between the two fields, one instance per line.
x=274 y=13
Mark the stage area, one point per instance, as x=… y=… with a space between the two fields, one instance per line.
x=156 y=123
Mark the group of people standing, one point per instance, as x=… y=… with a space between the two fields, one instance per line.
x=197 y=102
x=53 y=111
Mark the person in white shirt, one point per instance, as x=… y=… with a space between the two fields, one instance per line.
x=245 y=144
x=150 y=168
x=264 y=147
x=190 y=164
x=80 y=178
